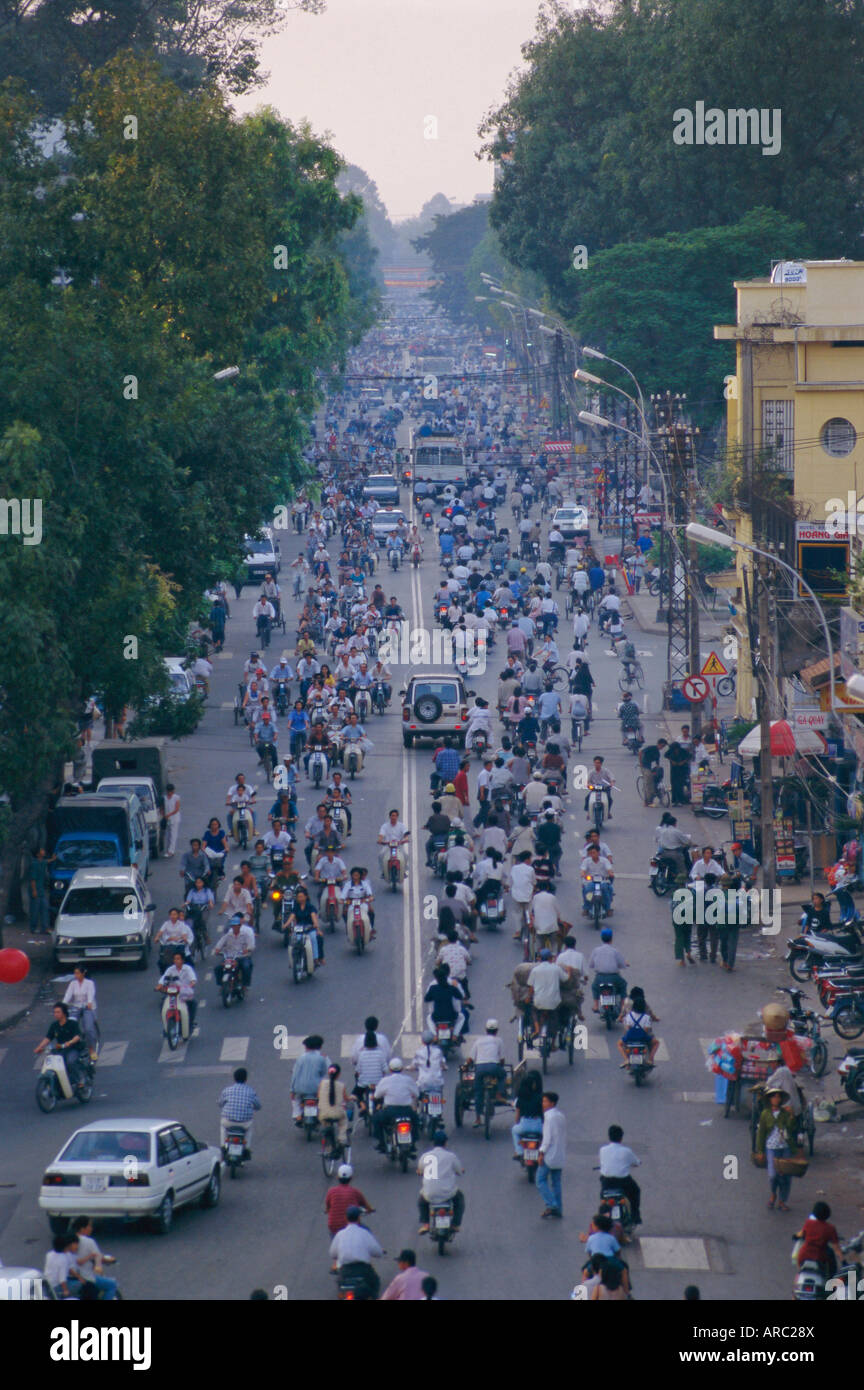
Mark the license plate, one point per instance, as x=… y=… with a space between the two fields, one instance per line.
x=97 y=950
x=607 y=1001
x=310 y=1110
x=442 y=1221
x=435 y=1105
x=652 y=872
x=94 y=1182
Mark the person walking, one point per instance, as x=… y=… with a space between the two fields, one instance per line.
x=171 y=814
x=38 y=900
x=776 y=1138
x=553 y=1147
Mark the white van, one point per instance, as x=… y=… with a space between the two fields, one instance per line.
x=145 y=790
x=182 y=681
x=140 y=854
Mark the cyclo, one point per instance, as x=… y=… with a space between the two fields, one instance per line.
x=496 y=1091
x=557 y=1028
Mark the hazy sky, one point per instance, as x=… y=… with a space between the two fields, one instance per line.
x=370 y=72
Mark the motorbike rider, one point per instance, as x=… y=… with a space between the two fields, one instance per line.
x=393 y=831
x=600 y=780
x=396 y=1099
x=237 y=1106
x=64 y=1036
x=673 y=843
x=308 y=1072
x=359 y=886
x=353 y=1249
x=339 y=795
x=429 y=1064
x=440 y=1168
x=487 y=1054
x=598 y=868
x=479 y=718
x=180 y=972
x=318 y=738
x=241 y=798
x=237 y=943
x=329 y=869
x=616 y=1161
x=650 y=760
x=172 y=934
x=638 y=1016
x=194 y=863
x=607 y=964
x=447 y=1001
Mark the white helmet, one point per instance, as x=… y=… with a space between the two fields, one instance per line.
x=491 y=1025
x=395 y=1063
x=345 y=1171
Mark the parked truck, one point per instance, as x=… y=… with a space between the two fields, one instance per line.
x=93 y=832
x=140 y=767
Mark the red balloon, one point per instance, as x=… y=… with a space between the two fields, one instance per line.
x=14 y=966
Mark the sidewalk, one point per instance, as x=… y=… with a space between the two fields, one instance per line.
x=16 y=1001
x=644 y=606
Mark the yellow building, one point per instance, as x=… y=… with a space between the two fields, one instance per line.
x=796 y=412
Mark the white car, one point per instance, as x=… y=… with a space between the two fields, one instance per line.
x=571 y=521
x=385 y=521
x=107 y=914
x=130 y=1169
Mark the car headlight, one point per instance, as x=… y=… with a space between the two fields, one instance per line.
x=65 y=941
x=134 y=938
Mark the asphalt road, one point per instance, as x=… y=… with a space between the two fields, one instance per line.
x=701 y=1224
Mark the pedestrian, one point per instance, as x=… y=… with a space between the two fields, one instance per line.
x=460 y=783
x=679 y=762
x=776 y=1138
x=407 y=1285
x=171 y=816
x=683 y=911
x=90 y=1254
x=552 y=1153
x=339 y=1198
x=81 y=995
x=39 y=904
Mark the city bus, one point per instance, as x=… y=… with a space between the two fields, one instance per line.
x=437 y=459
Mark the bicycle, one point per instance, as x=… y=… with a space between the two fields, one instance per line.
x=332 y=1151
x=632 y=675
x=661 y=791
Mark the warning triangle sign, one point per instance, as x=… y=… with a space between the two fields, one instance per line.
x=713 y=666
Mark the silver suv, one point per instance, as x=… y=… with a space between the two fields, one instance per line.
x=434 y=705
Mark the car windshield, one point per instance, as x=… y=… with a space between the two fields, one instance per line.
x=141 y=790
x=106 y=1146
x=388 y=518
x=178 y=680
x=381 y=480
x=259 y=548
x=91 y=902
x=446 y=692
x=77 y=854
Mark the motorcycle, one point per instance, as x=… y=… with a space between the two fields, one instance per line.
x=427 y=520
x=357 y=925
x=379 y=698
x=232 y=987
x=592 y=900
x=241 y=821
x=281 y=695
x=811 y=1283
x=806 y=1022
x=362 y=705
x=431 y=1110
x=441 y=1222
x=503 y=617
x=813 y=948
x=609 y=1001
x=638 y=1065
x=302 y=952
x=662 y=875
x=234 y=1149
x=529 y=1157
x=54 y=1084
x=394 y=872
x=329 y=908
x=615 y=1203
x=399 y=1142
x=319 y=767
x=597 y=804
x=493 y=909
x=353 y=760
x=175 y=1017
x=394 y=556
x=478 y=742
x=415 y=555
x=309 y=1116
x=851 y=1073
x=354 y=1284
x=445 y=1037
x=633 y=740
x=217 y=867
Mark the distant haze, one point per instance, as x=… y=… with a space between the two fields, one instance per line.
x=370 y=72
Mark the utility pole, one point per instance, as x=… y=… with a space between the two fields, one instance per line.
x=766 y=780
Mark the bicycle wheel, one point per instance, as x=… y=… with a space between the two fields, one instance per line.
x=559 y=679
x=640 y=787
x=488 y=1113
x=663 y=795
x=639 y=675
x=625 y=684
x=818 y=1058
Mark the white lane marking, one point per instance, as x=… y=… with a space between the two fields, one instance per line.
x=598 y=1048
x=662 y=1053
x=644 y=877
x=111 y=1054
x=673 y=1252
x=224 y=656
x=227 y=704
x=166 y=1055
x=201 y=1071
x=698 y=1097
x=234 y=1050
x=291 y=1049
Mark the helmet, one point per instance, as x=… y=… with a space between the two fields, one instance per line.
x=537 y=776
x=428 y=1036
x=450 y=788
x=395 y=1064
x=345 y=1171
x=491 y=1025
x=606 y=934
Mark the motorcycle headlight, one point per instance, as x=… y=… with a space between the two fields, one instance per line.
x=59 y=885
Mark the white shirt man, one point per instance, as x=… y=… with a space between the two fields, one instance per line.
x=522 y=880
x=488 y=1048
x=581 y=627
x=388 y=831
x=234 y=944
x=544 y=910
x=573 y=961
x=703 y=867
x=601 y=867
x=175 y=933
x=185 y=977
x=616 y=1160
x=535 y=794
x=236 y=899
x=611 y=603
x=283 y=840
x=458 y=859
x=494 y=837
x=396 y=1089
x=440 y=1169
x=264 y=609
x=545 y=979
x=354 y=1244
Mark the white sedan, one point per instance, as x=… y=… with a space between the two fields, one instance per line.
x=130 y=1169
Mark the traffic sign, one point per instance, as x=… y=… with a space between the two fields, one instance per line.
x=695 y=689
x=714 y=666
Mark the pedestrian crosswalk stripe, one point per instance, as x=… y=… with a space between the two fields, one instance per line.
x=290 y=1049
x=224 y=656
x=662 y=1053
x=111 y=1054
x=227 y=704
x=702 y=1097
x=673 y=1252
x=234 y=1050
x=598 y=1048
x=347 y=1043
x=179 y=1054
